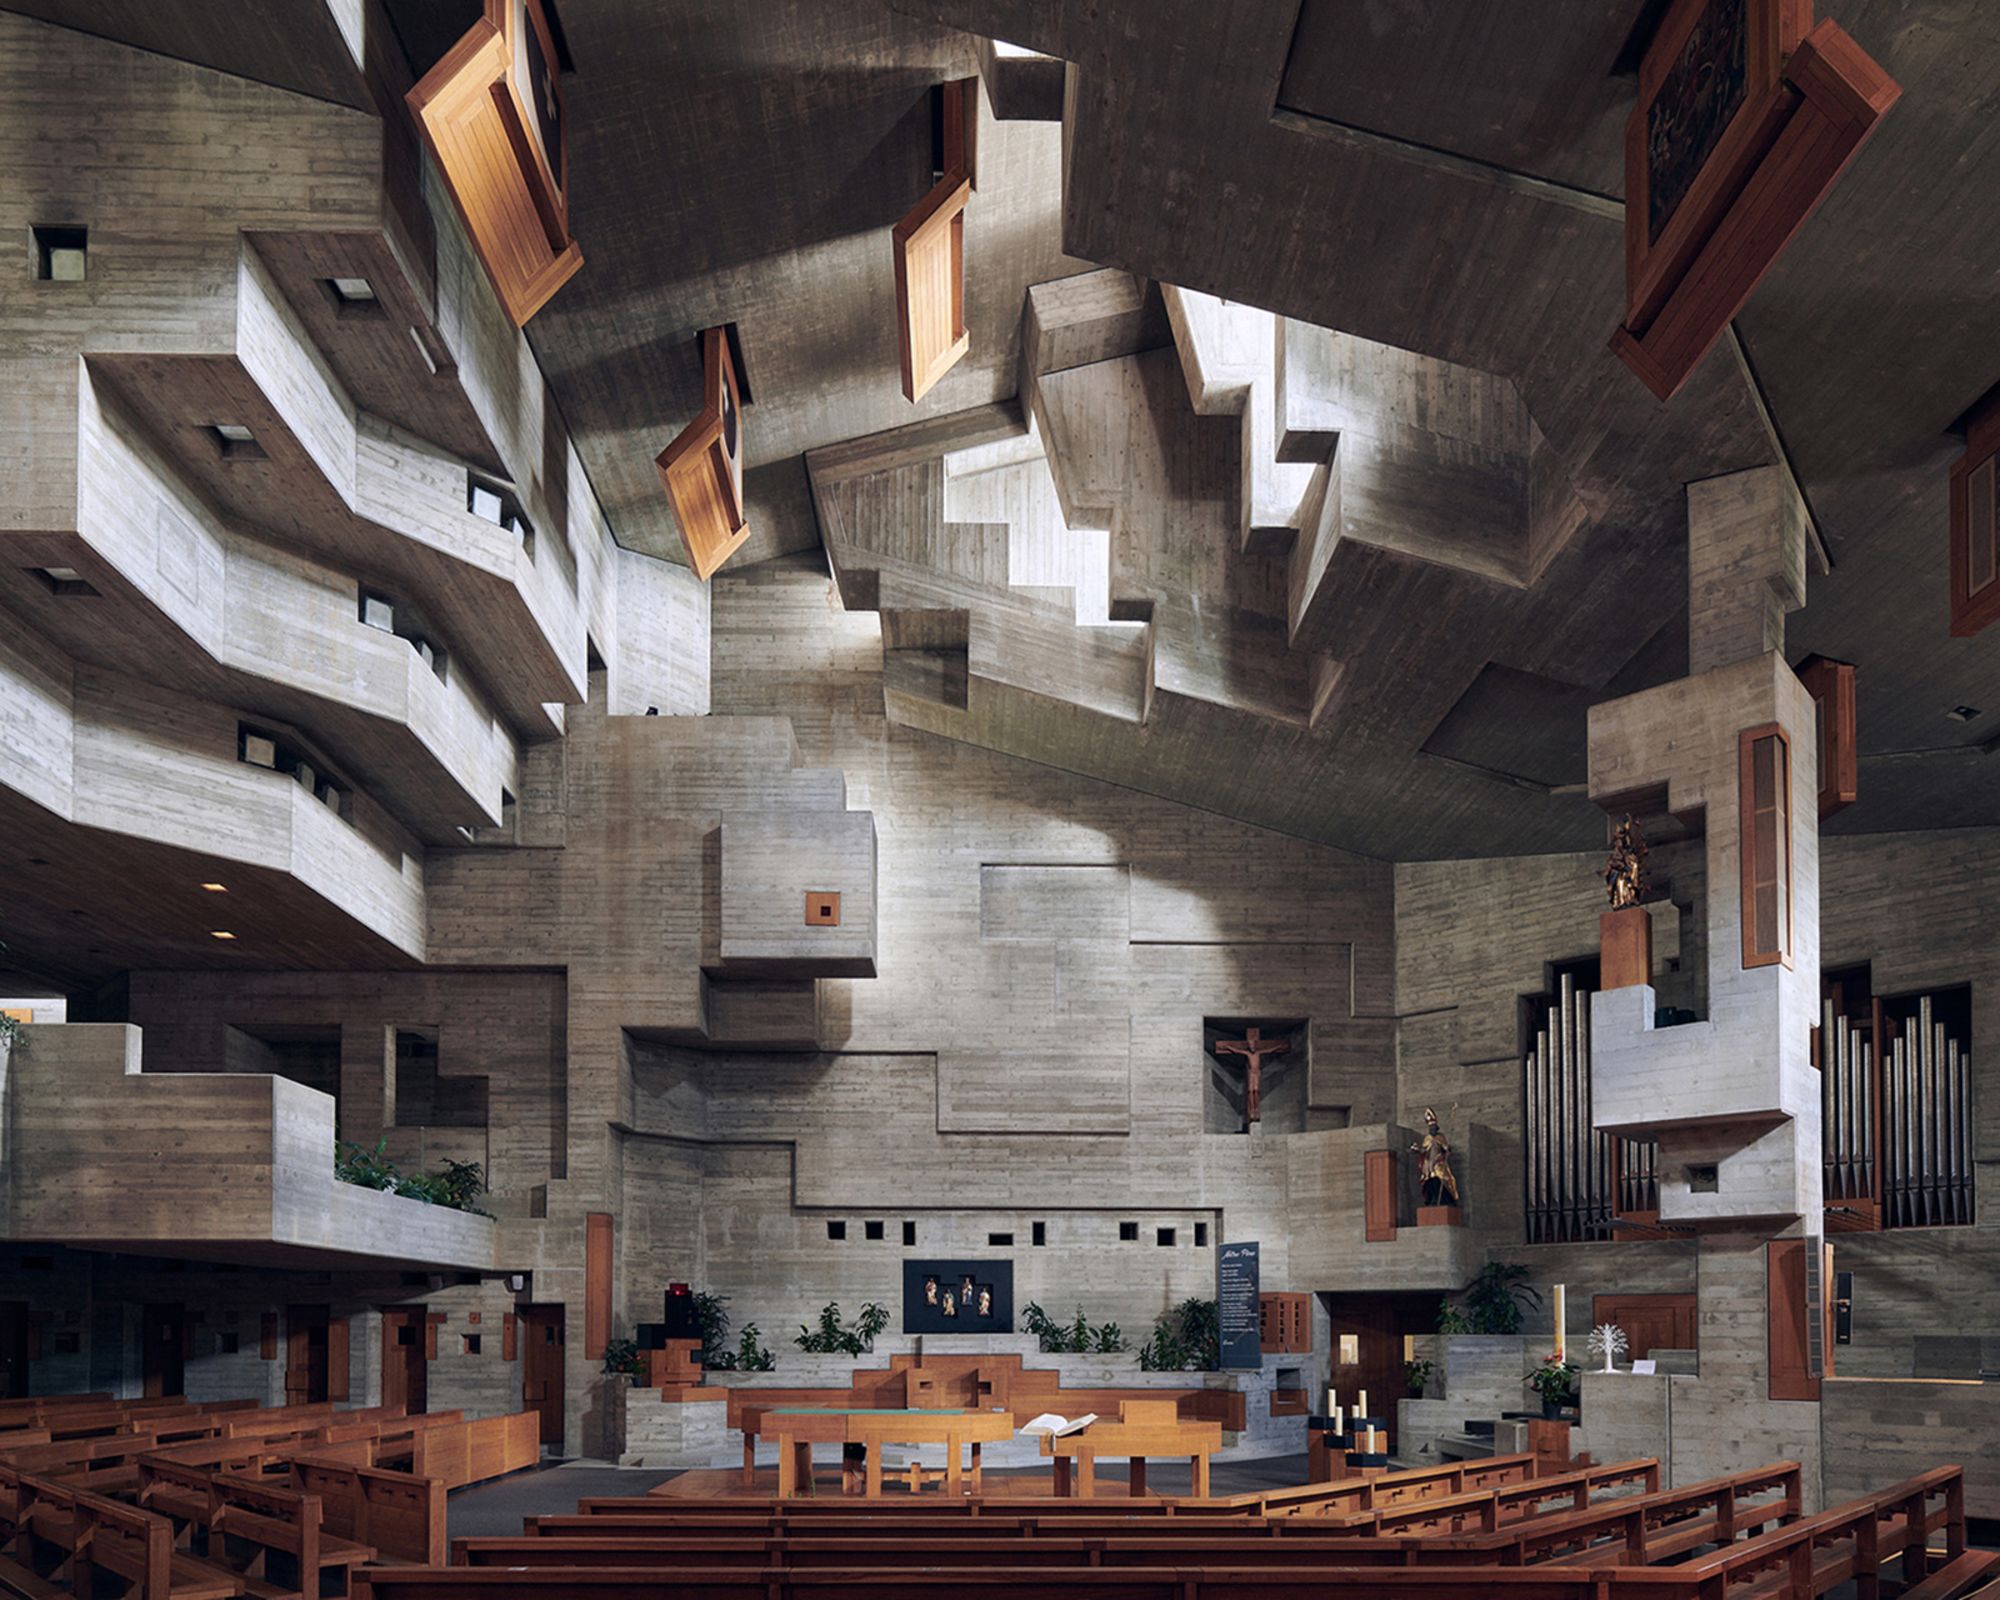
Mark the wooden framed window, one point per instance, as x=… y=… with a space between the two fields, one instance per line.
x=1831 y=684
x=1764 y=757
x=703 y=467
x=1975 y=525
x=929 y=246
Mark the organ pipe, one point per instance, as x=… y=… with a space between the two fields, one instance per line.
x=1925 y=1135
x=1570 y=1167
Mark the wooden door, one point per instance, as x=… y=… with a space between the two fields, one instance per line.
x=1650 y=1321
x=14 y=1349
x=164 y=1345
x=306 y=1363
x=542 y=1368
x=405 y=1372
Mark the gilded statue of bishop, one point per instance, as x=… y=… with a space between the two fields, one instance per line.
x=1433 y=1151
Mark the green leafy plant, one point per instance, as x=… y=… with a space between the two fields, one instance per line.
x=457 y=1186
x=1491 y=1302
x=1418 y=1374
x=1106 y=1338
x=752 y=1356
x=711 y=1322
x=1554 y=1380
x=1187 y=1338
x=624 y=1358
x=12 y=1034
x=835 y=1337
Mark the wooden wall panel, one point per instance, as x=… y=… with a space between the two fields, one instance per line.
x=336 y=1358
x=1379 y=1196
x=1650 y=1321
x=702 y=468
x=1793 y=1375
x=1975 y=525
x=597 y=1269
x=1765 y=805
x=929 y=246
x=471 y=117
x=1831 y=684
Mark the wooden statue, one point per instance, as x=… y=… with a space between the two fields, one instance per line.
x=1625 y=871
x=1440 y=1183
x=1253 y=1049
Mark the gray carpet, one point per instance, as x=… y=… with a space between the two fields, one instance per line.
x=497 y=1508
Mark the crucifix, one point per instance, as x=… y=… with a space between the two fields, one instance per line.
x=1253 y=1049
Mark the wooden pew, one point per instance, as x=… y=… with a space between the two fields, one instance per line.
x=989 y=1583
x=99 y=1538
x=1489 y=1509
x=472 y=1452
x=402 y=1517
x=249 y=1521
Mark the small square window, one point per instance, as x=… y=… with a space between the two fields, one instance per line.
x=470 y=1342
x=1704 y=1180
x=871 y=1230
x=909 y=1233
x=378 y=611
x=352 y=297
x=69 y=1344
x=483 y=500
x=62 y=255
x=1350 y=1350
x=259 y=749
x=406 y=1334
x=229 y=1344
x=235 y=442
x=1128 y=1233
x=836 y=1230
x=999 y=1239
x=1039 y=1233
x=65 y=582
x=1201 y=1233
x=1163 y=1236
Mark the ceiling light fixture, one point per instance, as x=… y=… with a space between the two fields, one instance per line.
x=1964 y=713
x=220 y=933
x=216 y=888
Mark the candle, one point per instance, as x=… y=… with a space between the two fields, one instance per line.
x=1371 y=1438
x=1361 y=1405
x=1338 y=1425
x=1332 y=1401
x=1561 y=1299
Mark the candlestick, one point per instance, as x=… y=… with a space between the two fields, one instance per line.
x=1561 y=1303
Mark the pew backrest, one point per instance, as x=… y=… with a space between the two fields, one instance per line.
x=401 y=1516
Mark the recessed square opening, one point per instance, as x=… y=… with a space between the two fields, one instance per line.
x=66 y=582
x=496 y=503
x=1350 y=1350
x=470 y=1343
x=235 y=442
x=1704 y=1179
x=909 y=1233
x=998 y=1239
x=836 y=1230
x=1163 y=1236
x=1039 y=1234
x=1128 y=1233
x=352 y=297
x=62 y=254
x=229 y=1344
x=1201 y=1233
x=871 y=1231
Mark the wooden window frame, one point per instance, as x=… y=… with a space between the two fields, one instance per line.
x=1746 y=743
x=1973 y=609
x=938 y=224
x=1831 y=684
x=703 y=477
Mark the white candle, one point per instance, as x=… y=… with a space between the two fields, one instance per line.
x=1338 y=1425
x=1561 y=1301
x=1371 y=1438
x=1332 y=1401
x=1361 y=1405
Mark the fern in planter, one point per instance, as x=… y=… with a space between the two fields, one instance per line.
x=834 y=1337
x=1187 y=1338
x=456 y=1186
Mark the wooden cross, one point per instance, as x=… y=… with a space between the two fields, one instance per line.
x=1253 y=1049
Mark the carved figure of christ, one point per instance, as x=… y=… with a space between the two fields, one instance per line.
x=1253 y=1049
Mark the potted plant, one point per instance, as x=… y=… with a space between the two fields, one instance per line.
x=1417 y=1375
x=1555 y=1381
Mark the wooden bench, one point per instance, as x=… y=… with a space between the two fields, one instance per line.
x=472 y=1452
x=105 y=1544
x=401 y=1516
x=250 y=1521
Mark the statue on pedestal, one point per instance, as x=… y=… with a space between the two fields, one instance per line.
x=1433 y=1152
x=1625 y=871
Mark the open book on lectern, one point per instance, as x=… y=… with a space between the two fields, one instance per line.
x=1050 y=1426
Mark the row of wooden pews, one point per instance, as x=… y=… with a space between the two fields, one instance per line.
x=177 y=1500
x=1490 y=1528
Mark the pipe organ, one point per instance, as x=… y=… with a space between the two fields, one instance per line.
x=1928 y=1148
x=1896 y=1109
x=1578 y=1179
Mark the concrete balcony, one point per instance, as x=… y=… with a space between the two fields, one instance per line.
x=184 y=598
x=220 y=1166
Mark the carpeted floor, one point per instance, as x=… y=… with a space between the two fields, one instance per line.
x=498 y=1507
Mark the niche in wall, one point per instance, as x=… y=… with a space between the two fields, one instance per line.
x=937 y=1293
x=1282 y=1076
x=305 y=1052
x=424 y=1098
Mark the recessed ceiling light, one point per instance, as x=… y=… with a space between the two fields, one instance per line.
x=353 y=290
x=1964 y=713
x=235 y=432
x=216 y=888
x=220 y=933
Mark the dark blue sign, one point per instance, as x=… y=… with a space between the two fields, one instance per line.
x=1236 y=1304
